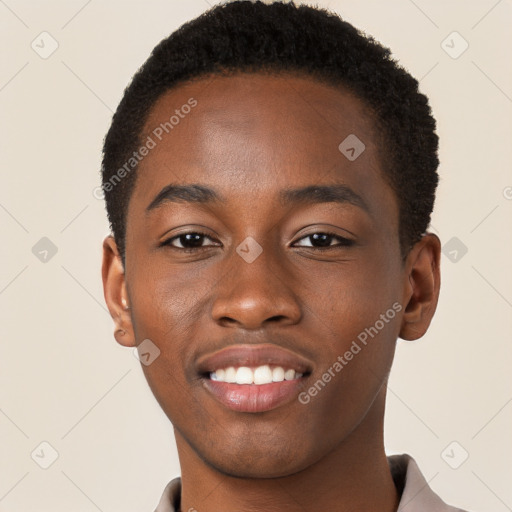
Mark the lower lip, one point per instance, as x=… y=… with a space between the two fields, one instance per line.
x=253 y=397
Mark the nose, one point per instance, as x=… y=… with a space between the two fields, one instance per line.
x=251 y=295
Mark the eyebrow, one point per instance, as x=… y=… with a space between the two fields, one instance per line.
x=312 y=194
x=337 y=193
x=185 y=193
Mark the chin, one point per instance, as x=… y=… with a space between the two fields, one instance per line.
x=257 y=462
x=270 y=468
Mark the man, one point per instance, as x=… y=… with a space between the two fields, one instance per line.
x=269 y=177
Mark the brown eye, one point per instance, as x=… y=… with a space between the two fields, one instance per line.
x=323 y=240
x=188 y=241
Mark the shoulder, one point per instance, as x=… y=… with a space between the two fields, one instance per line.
x=416 y=493
x=170 y=500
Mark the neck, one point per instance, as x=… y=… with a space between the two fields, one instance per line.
x=353 y=476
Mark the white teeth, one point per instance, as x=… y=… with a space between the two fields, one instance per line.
x=260 y=375
x=289 y=374
x=244 y=375
x=230 y=375
x=278 y=374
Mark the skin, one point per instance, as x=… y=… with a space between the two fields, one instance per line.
x=249 y=137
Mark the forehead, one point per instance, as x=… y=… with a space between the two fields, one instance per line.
x=260 y=133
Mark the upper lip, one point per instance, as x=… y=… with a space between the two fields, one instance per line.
x=253 y=356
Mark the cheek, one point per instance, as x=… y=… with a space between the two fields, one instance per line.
x=355 y=313
x=168 y=309
x=347 y=298
x=356 y=345
x=167 y=303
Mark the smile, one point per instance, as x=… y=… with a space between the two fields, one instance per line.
x=257 y=376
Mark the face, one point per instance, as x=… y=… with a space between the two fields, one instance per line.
x=285 y=243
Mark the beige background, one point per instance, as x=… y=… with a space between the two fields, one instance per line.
x=63 y=378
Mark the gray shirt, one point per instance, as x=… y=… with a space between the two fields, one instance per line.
x=416 y=495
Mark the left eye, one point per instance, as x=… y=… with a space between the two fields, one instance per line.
x=323 y=241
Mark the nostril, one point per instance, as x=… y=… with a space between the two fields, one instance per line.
x=276 y=318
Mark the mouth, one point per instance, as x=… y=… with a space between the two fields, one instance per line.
x=248 y=378
x=258 y=376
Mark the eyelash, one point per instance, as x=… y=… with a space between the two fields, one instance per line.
x=343 y=242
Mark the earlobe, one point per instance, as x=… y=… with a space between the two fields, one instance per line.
x=115 y=293
x=422 y=281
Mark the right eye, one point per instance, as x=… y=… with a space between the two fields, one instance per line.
x=188 y=242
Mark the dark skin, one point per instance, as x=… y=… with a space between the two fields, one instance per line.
x=249 y=137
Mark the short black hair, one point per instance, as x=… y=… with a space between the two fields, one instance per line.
x=252 y=36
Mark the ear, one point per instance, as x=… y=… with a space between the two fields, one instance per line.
x=114 y=290
x=421 y=287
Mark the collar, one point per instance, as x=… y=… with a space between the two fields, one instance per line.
x=416 y=494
